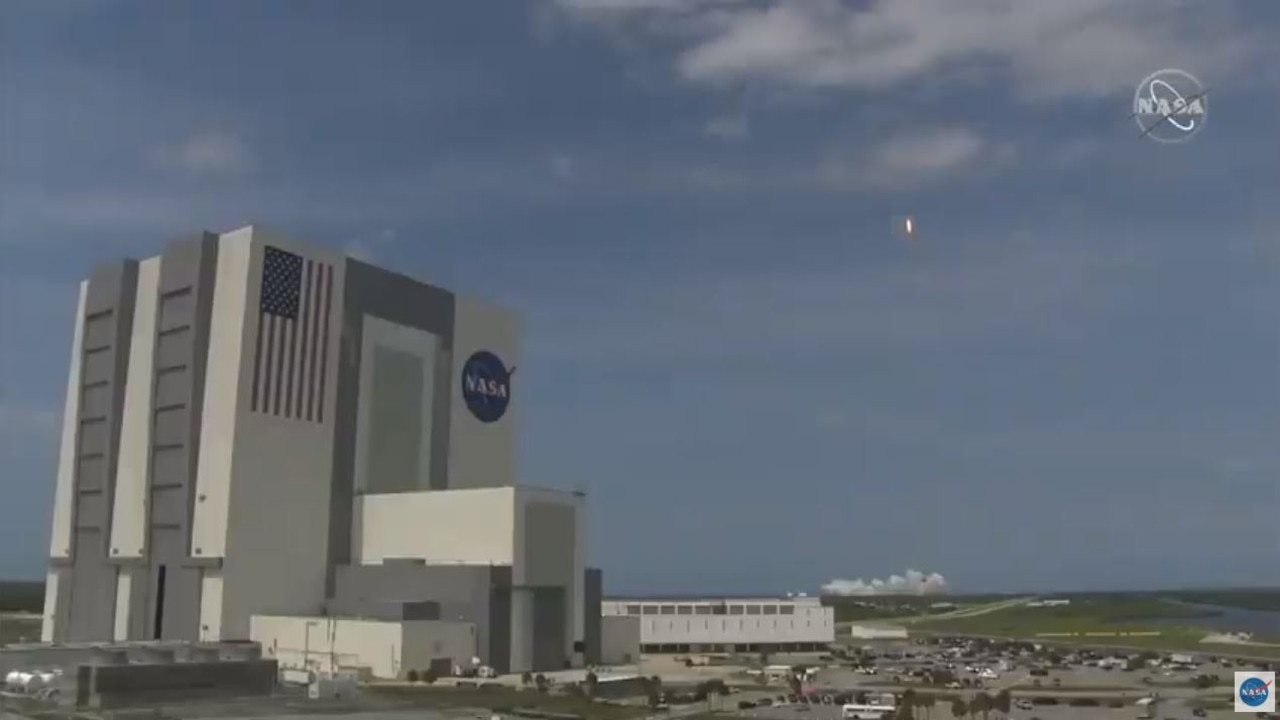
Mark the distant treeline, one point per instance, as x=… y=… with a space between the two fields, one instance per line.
x=1144 y=604
x=1245 y=599
x=21 y=596
x=853 y=608
x=1239 y=598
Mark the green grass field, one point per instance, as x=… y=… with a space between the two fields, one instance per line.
x=856 y=608
x=16 y=630
x=1100 y=620
x=1085 y=614
x=20 y=597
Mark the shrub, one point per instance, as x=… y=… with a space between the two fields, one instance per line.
x=411 y=676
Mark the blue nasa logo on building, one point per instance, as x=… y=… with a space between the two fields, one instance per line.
x=486 y=386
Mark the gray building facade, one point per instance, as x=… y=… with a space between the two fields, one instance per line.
x=243 y=391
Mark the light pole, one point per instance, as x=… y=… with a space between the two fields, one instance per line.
x=306 y=646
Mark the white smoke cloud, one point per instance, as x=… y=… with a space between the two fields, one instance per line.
x=913 y=582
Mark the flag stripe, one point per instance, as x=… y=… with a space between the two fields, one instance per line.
x=277 y=363
x=257 y=367
x=268 y=377
x=324 y=342
x=316 y=274
x=290 y=357
x=316 y=347
x=304 y=354
x=320 y=350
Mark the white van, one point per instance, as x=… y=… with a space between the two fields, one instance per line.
x=866 y=712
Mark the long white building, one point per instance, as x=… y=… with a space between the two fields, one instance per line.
x=262 y=436
x=728 y=625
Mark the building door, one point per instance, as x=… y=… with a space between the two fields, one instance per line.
x=550 y=650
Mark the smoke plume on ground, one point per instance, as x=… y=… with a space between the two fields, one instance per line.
x=913 y=582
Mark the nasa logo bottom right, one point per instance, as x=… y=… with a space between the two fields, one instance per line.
x=1255 y=692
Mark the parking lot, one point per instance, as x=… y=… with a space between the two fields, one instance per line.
x=1054 y=690
x=1044 y=712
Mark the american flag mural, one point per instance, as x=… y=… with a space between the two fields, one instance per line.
x=290 y=362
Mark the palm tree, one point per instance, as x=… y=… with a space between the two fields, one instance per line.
x=959 y=708
x=1003 y=701
x=925 y=702
x=908 y=698
x=655 y=691
x=981 y=703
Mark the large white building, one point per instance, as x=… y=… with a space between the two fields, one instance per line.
x=260 y=428
x=728 y=625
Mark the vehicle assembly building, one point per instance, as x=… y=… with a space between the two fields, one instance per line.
x=727 y=625
x=268 y=440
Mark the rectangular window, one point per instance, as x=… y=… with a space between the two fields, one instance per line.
x=684 y=610
x=702 y=609
x=770 y=609
x=650 y=609
x=787 y=609
x=735 y=610
x=753 y=609
x=633 y=609
x=668 y=610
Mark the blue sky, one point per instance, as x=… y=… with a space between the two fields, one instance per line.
x=1070 y=380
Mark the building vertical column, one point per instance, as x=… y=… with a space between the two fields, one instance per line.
x=53 y=626
x=129 y=506
x=577 y=590
x=105 y=347
x=225 y=353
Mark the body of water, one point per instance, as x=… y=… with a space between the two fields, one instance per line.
x=1264 y=624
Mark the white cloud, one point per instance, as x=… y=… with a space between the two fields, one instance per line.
x=904 y=160
x=369 y=247
x=913 y=582
x=832 y=419
x=1051 y=49
x=207 y=153
x=563 y=167
x=913 y=158
x=729 y=127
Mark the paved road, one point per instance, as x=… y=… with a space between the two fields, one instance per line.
x=990 y=608
x=954 y=614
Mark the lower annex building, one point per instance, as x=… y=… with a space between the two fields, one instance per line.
x=716 y=625
x=264 y=439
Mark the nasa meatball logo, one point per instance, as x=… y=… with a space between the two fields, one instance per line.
x=1255 y=692
x=486 y=386
x=1170 y=106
